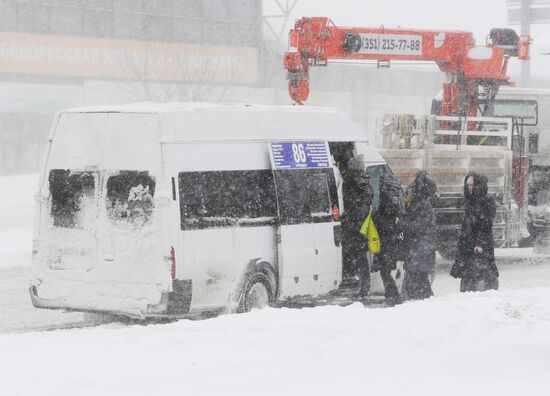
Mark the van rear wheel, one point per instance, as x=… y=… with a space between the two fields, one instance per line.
x=257 y=291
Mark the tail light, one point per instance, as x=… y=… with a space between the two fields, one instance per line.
x=173 y=262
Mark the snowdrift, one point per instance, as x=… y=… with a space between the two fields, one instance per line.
x=468 y=344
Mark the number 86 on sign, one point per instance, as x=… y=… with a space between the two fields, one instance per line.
x=299 y=153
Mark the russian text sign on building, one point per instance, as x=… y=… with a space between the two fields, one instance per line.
x=299 y=155
x=103 y=58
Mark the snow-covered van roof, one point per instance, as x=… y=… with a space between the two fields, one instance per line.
x=219 y=122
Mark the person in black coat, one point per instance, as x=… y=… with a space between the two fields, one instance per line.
x=420 y=236
x=387 y=217
x=475 y=258
x=358 y=195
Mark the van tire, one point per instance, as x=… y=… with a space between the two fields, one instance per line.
x=257 y=291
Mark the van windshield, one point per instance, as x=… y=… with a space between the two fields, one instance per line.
x=73 y=200
x=130 y=197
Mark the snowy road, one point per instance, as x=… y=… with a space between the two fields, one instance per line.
x=493 y=343
x=18 y=315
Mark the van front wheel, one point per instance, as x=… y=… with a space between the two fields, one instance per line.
x=257 y=292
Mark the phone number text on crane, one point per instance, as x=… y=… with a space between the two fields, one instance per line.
x=391 y=44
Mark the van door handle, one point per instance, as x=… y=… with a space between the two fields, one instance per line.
x=316 y=251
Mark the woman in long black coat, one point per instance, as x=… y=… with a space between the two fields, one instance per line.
x=475 y=258
x=420 y=237
x=387 y=217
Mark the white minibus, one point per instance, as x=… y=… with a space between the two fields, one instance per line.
x=148 y=210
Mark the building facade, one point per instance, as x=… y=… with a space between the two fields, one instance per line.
x=56 y=54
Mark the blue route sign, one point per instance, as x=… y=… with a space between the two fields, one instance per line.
x=299 y=155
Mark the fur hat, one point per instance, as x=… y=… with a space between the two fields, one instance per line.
x=423 y=185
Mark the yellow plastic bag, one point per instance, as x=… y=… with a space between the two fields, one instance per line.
x=369 y=231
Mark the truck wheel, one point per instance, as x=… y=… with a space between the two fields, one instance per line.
x=257 y=291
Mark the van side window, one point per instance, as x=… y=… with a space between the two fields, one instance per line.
x=226 y=198
x=72 y=197
x=130 y=197
x=293 y=196
x=306 y=195
x=319 y=198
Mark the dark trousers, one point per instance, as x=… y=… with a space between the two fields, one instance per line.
x=390 y=288
x=482 y=283
x=386 y=262
x=364 y=275
x=356 y=262
x=417 y=285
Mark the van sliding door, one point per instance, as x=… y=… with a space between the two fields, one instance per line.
x=296 y=242
x=323 y=197
x=309 y=246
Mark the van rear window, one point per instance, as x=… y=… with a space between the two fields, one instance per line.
x=73 y=201
x=130 y=197
x=226 y=198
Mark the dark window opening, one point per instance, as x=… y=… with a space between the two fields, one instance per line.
x=226 y=198
x=130 y=197
x=293 y=197
x=306 y=195
x=533 y=143
x=318 y=192
x=72 y=197
x=538 y=185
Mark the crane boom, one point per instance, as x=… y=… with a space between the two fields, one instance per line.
x=474 y=72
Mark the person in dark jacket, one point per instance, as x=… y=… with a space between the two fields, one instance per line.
x=386 y=219
x=475 y=257
x=357 y=200
x=420 y=235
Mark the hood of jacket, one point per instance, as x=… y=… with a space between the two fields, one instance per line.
x=424 y=187
x=480 y=189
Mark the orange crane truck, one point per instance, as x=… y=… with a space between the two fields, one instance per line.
x=454 y=142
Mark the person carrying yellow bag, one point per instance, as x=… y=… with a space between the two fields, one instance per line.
x=358 y=195
x=368 y=230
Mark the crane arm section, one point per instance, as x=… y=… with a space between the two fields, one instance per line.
x=315 y=41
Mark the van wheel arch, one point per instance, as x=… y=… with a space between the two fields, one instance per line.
x=258 y=273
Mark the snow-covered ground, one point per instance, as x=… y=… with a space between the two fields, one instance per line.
x=493 y=343
x=453 y=344
x=16 y=219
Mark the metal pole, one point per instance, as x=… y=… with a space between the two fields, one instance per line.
x=525 y=29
